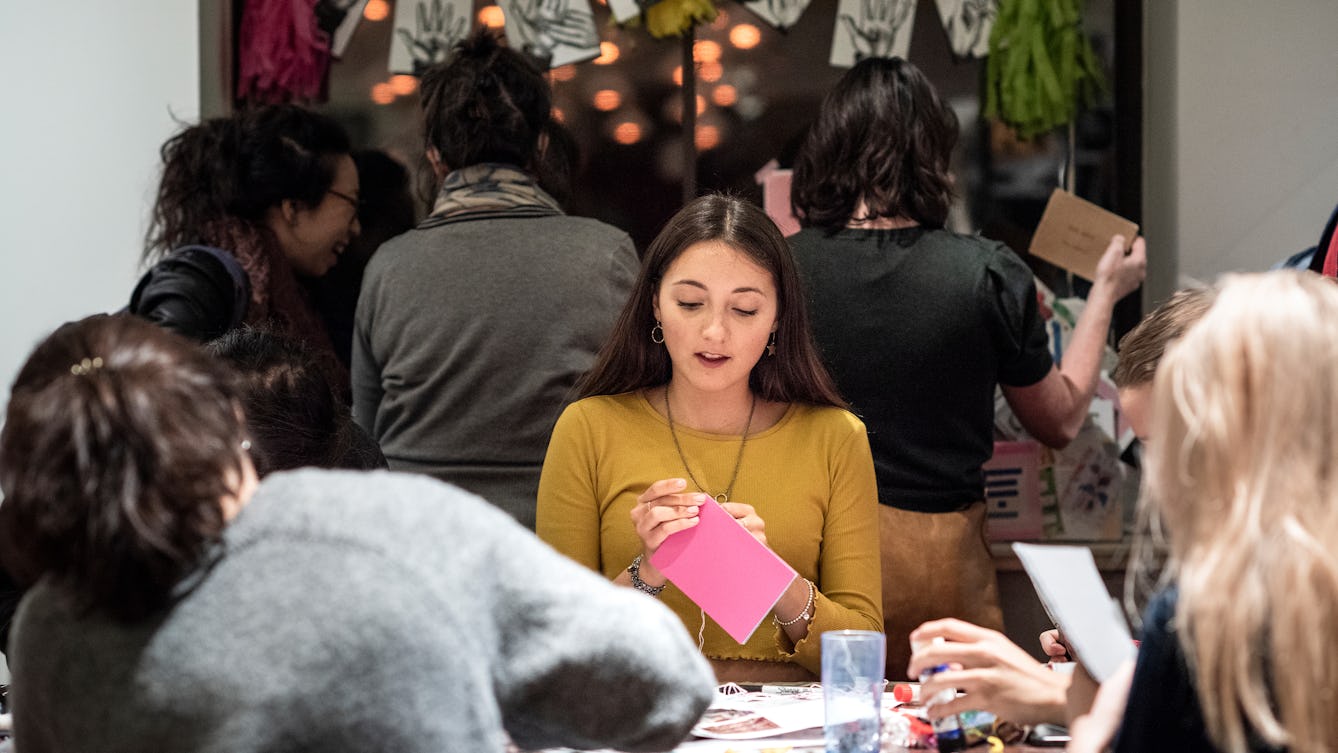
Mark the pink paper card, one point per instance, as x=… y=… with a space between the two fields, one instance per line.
x=724 y=570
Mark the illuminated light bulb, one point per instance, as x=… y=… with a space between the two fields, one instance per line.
x=706 y=51
x=708 y=137
x=559 y=115
x=608 y=52
x=627 y=133
x=725 y=95
x=721 y=20
x=745 y=36
x=492 y=16
x=382 y=93
x=376 y=10
x=403 y=85
x=711 y=72
x=564 y=73
x=607 y=100
x=678 y=76
x=701 y=104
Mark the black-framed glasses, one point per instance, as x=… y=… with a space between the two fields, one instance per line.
x=353 y=200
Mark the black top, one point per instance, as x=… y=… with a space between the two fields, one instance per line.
x=918 y=327
x=1163 y=712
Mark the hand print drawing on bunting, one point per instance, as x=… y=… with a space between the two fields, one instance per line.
x=968 y=24
x=553 y=33
x=871 y=29
x=425 y=32
x=779 y=13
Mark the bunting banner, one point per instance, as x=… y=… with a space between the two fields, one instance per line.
x=779 y=13
x=426 y=31
x=871 y=28
x=553 y=33
x=968 y=24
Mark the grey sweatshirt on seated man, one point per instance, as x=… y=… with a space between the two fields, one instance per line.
x=363 y=612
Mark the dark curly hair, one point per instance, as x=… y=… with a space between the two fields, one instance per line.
x=883 y=136
x=237 y=167
x=488 y=103
x=120 y=441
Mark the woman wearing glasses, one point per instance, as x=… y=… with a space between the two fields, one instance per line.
x=247 y=206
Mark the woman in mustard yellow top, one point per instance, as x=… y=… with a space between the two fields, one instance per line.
x=710 y=385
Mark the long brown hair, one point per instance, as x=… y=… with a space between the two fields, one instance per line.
x=630 y=361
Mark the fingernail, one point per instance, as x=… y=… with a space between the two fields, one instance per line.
x=692 y=510
x=702 y=499
x=679 y=483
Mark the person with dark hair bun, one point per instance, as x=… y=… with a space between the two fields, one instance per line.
x=272 y=189
x=919 y=324
x=473 y=328
x=710 y=386
x=179 y=603
x=292 y=411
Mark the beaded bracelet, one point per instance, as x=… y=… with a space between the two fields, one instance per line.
x=804 y=615
x=634 y=570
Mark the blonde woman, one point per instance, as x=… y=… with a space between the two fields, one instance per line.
x=1240 y=654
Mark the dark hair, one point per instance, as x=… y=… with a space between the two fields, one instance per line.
x=558 y=161
x=488 y=103
x=630 y=361
x=120 y=441
x=292 y=410
x=1142 y=348
x=236 y=168
x=883 y=135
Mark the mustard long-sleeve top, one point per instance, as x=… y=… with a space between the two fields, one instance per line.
x=810 y=478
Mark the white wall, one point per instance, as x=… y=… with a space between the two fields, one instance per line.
x=1241 y=113
x=90 y=91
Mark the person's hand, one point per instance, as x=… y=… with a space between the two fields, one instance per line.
x=1092 y=730
x=1054 y=646
x=1121 y=271
x=664 y=509
x=749 y=518
x=996 y=674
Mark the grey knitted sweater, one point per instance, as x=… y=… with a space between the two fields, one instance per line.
x=470 y=336
x=363 y=612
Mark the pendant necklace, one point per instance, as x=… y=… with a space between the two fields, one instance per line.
x=738 y=461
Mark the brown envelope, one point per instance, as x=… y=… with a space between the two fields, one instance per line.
x=1074 y=233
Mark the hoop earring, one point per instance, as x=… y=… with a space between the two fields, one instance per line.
x=657 y=334
x=771 y=345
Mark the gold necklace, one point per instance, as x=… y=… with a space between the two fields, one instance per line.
x=738 y=461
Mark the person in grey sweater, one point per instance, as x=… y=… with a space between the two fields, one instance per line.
x=473 y=328
x=182 y=605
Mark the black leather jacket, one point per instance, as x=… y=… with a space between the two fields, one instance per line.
x=196 y=291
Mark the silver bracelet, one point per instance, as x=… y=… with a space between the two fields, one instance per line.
x=804 y=615
x=634 y=570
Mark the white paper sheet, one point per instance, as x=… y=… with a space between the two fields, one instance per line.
x=1075 y=597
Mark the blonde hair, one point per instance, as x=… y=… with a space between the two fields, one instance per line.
x=1241 y=472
